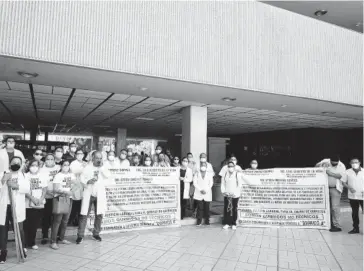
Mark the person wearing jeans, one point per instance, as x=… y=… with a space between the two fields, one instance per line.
x=94 y=177
x=62 y=184
x=230 y=188
x=354 y=181
x=203 y=182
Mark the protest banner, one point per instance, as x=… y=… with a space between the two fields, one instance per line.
x=285 y=197
x=142 y=198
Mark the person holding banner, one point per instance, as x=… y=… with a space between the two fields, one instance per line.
x=15 y=180
x=230 y=187
x=94 y=177
x=225 y=168
x=253 y=165
x=157 y=156
x=185 y=177
x=112 y=162
x=203 y=182
x=162 y=162
x=335 y=173
x=353 y=180
x=123 y=159
x=136 y=160
x=147 y=161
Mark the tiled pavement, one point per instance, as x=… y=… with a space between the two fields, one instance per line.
x=205 y=248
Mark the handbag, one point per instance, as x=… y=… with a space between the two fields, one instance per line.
x=61 y=205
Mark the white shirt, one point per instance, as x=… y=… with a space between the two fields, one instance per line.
x=124 y=163
x=65 y=179
x=209 y=168
x=50 y=172
x=338 y=170
x=203 y=184
x=112 y=164
x=231 y=184
x=225 y=169
x=77 y=167
x=355 y=181
x=37 y=183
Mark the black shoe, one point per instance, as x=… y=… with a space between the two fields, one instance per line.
x=334 y=229
x=44 y=240
x=3 y=255
x=354 y=231
x=79 y=240
x=97 y=238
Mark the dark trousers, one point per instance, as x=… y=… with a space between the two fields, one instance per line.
x=182 y=201
x=47 y=217
x=83 y=220
x=75 y=213
x=4 y=229
x=31 y=224
x=354 y=203
x=230 y=216
x=203 y=211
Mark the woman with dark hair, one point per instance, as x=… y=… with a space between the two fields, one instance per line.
x=15 y=180
x=176 y=162
x=147 y=161
x=58 y=156
x=136 y=160
x=50 y=169
x=123 y=159
x=185 y=177
x=34 y=202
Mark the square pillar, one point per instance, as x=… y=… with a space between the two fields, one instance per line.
x=217 y=151
x=194 y=130
x=120 y=140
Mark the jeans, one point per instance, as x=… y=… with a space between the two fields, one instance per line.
x=203 y=210
x=47 y=217
x=4 y=229
x=230 y=217
x=354 y=203
x=335 y=196
x=31 y=224
x=59 y=225
x=83 y=220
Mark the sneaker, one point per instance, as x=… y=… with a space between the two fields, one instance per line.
x=334 y=229
x=97 y=238
x=35 y=247
x=54 y=246
x=25 y=250
x=25 y=253
x=233 y=227
x=226 y=227
x=44 y=241
x=79 y=240
x=65 y=242
x=198 y=225
x=3 y=255
x=354 y=231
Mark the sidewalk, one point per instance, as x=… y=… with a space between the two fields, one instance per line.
x=205 y=248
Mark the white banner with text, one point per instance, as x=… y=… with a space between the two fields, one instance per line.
x=285 y=197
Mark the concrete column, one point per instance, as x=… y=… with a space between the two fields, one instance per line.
x=194 y=130
x=120 y=140
x=217 y=151
x=95 y=140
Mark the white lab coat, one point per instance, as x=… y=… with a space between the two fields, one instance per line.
x=4 y=159
x=203 y=184
x=187 y=181
x=103 y=179
x=24 y=188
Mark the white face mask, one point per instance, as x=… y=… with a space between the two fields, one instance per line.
x=234 y=161
x=10 y=145
x=66 y=169
x=130 y=153
x=203 y=168
x=148 y=163
x=59 y=155
x=122 y=156
x=49 y=163
x=73 y=149
x=355 y=165
x=203 y=159
x=79 y=157
x=158 y=151
x=254 y=166
x=185 y=164
x=111 y=158
x=231 y=169
x=33 y=169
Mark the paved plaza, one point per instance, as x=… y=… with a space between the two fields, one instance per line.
x=205 y=248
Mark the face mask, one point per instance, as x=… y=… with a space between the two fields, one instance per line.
x=231 y=169
x=185 y=164
x=158 y=151
x=234 y=161
x=73 y=149
x=355 y=166
x=79 y=157
x=254 y=166
x=33 y=169
x=15 y=167
x=49 y=163
x=203 y=168
x=136 y=162
x=59 y=155
x=111 y=158
x=334 y=164
x=10 y=145
x=122 y=156
x=65 y=168
x=130 y=153
x=38 y=158
x=148 y=163
x=203 y=160
x=190 y=159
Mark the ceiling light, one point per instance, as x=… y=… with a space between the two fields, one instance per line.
x=48 y=110
x=320 y=12
x=283 y=105
x=143 y=89
x=328 y=113
x=227 y=99
x=141 y=118
x=178 y=135
x=28 y=75
x=359 y=24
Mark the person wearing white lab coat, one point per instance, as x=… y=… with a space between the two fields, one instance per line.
x=8 y=153
x=14 y=179
x=186 y=178
x=203 y=182
x=94 y=177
